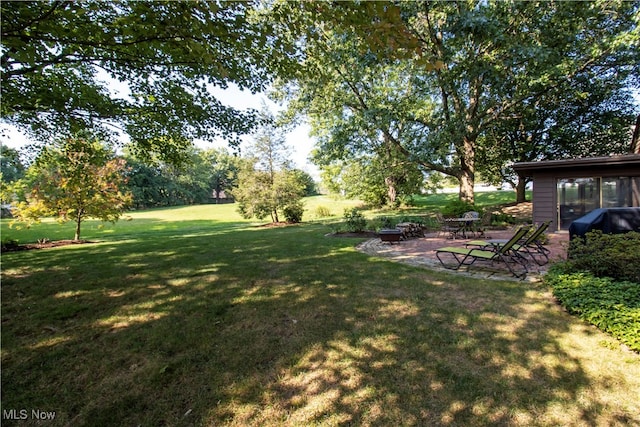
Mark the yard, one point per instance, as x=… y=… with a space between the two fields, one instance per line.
x=192 y=316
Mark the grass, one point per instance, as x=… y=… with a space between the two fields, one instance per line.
x=192 y=316
x=434 y=202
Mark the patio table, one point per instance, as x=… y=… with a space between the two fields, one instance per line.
x=464 y=225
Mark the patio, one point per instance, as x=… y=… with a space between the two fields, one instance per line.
x=421 y=252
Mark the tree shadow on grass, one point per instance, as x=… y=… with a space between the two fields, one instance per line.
x=282 y=326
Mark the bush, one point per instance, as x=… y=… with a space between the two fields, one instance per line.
x=613 y=307
x=606 y=255
x=9 y=244
x=502 y=219
x=457 y=208
x=322 y=212
x=293 y=212
x=354 y=220
x=385 y=222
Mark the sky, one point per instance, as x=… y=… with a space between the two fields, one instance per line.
x=298 y=139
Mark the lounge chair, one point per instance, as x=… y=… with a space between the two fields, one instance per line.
x=504 y=253
x=530 y=244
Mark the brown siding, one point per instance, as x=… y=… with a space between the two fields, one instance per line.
x=544 y=200
x=545 y=175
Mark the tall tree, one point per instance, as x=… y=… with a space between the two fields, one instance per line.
x=592 y=122
x=635 y=138
x=205 y=174
x=380 y=178
x=11 y=169
x=223 y=171
x=11 y=166
x=78 y=179
x=479 y=63
x=270 y=185
x=60 y=60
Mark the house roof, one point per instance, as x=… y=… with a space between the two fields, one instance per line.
x=586 y=163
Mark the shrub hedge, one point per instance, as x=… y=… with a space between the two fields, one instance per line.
x=607 y=255
x=457 y=208
x=600 y=283
x=354 y=220
x=293 y=212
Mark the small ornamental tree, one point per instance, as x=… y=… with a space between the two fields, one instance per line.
x=270 y=186
x=75 y=179
x=260 y=194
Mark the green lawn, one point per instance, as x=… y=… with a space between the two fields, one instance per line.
x=192 y=316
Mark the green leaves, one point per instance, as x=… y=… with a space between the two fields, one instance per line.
x=456 y=78
x=165 y=55
x=600 y=282
x=269 y=184
x=76 y=180
x=610 y=305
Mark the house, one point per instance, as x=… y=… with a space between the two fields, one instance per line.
x=564 y=190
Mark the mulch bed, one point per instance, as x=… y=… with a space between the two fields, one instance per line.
x=362 y=234
x=44 y=245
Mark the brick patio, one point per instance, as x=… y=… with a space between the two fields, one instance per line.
x=421 y=252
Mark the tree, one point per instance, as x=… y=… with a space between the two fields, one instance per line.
x=11 y=170
x=480 y=63
x=203 y=175
x=11 y=166
x=78 y=179
x=310 y=187
x=223 y=171
x=60 y=60
x=270 y=184
x=635 y=138
x=557 y=126
x=375 y=179
x=146 y=183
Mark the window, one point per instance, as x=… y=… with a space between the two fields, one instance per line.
x=576 y=197
x=620 y=192
x=579 y=196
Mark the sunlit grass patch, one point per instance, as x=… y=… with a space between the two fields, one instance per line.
x=205 y=324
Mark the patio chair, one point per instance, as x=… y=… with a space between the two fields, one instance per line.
x=446 y=228
x=485 y=222
x=504 y=253
x=472 y=226
x=530 y=244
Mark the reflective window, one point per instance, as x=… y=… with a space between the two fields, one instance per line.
x=620 y=192
x=576 y=197
x=579 y=196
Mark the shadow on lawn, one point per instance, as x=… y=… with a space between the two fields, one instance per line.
x=281 y=326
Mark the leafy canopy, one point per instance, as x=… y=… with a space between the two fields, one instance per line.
x=60 y=61
x=472 y=66
x=79 y=178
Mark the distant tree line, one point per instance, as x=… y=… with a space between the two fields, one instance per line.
x=206 y=176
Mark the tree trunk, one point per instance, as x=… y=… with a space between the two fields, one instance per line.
x=521 y=195
x=78 y=222
x=466 y=188
x=635 y=139
x=391 y=189
x=467 y=171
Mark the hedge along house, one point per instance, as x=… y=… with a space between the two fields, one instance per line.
x=564 y=190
